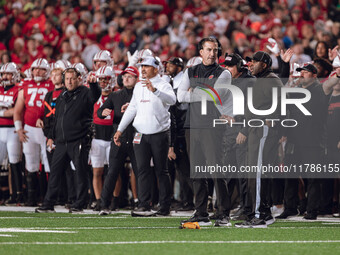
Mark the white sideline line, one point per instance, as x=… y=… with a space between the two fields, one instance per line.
x=174 y=242
x=99 y=228
x=3 y=235
x=27 y=230
x=87 y=217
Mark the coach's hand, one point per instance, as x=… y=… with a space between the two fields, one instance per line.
x=49 y=144
x=106 y=112
x=116 y=138
x=241 y=138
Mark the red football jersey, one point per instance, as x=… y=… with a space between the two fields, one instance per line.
x=7 y=100
x=108 y=121
x=34 y=94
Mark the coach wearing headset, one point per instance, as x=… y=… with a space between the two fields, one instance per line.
x=235 y=148
x=72 y=137
x=205 y=142
x=149 y=111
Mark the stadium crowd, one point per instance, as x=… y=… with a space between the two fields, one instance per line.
x=65 y=143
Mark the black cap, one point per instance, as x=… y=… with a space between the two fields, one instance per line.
x=176 y=61
x=232 y=59
x=309 y=68
x=261 y=56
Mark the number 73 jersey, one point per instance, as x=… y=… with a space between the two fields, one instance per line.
x=34 y=94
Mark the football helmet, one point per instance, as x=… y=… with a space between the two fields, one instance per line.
x=10 y=68
x=103 y=55
x=82 y=70
x=43 y=64
x=108 y=73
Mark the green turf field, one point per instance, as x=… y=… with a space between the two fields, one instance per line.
x=62 y=233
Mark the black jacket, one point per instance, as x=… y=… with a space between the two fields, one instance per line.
x=50 y=102
x=74 y=114
x=115 y=101
x=245 y=80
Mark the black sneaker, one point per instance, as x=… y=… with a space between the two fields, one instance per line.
x=240 y=217
x=76 y=210
x=287 y=214
x=20 y=199
x=45 y=209
x=215 y=216
x=162 y=213
x=11 y=201
x=31 y=203
x=224 y=221
x=202 y=221
x=185 y=207
x=142 y=212
x=253 y=223
x=310 y=216
x=268 y=219
x=105 y=211
x=98 y=206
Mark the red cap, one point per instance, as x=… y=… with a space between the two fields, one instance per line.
x=131 y=70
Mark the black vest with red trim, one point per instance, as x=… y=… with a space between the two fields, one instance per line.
x=203 y=77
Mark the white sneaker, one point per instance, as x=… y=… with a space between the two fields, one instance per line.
x=104 y=212
x=276 y=211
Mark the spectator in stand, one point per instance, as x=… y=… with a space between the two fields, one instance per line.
x=110 y=41
x=321 y=50
x=51 y=35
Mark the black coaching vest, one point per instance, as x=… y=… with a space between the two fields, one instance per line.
x=203 y=77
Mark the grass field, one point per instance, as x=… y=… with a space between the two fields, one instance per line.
x=63 y=233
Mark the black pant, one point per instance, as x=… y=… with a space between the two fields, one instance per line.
x=154 y=146
x=117 y=160
x=262 y=150
x=205 y=150
x=236 y=155
x=182 y=164
x=299 y=156
x=78 y=152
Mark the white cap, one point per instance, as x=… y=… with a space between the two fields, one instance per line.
x=149 y=61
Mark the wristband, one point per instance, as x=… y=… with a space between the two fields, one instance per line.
x=18 y=125
x=2 y=112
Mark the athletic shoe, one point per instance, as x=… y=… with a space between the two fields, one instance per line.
x=105 y=211
x=202 y=221
x=223 y=222
x=98 y=206
x=302 y=207
x=253 y=223
x=162 y=213
x=185 y=207
x=240 y=217
x=142 y=212
x=31 y=203
x=276 y=211
x=76 y=210
x=287 y=214
x=310 y=216
x=11 y=201
x=268 y=219
x=45 y=209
